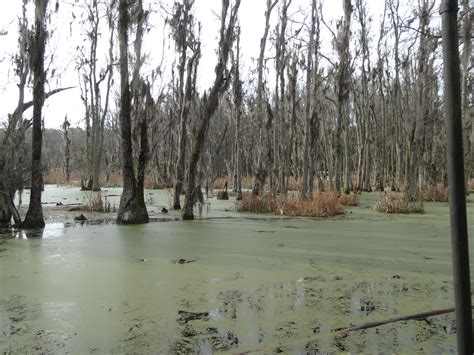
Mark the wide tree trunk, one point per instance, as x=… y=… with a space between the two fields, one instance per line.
x=132 y=209
x=34 y=217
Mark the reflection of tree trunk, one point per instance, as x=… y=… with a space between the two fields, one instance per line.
x=34 y=216
x=210 y=104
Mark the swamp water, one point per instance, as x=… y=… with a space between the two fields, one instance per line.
x=230 y=283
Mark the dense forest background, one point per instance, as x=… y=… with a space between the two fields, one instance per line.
x=359 y=109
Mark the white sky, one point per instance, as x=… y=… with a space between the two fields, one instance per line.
x=63 y=45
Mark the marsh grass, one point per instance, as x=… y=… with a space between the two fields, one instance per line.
x=95 y=203
x=322 y=205
x=398 y=203
x=349 y=200
x=438 y=193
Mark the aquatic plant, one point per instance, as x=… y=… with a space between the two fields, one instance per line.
x=438 y=193
x=264 y=203
x=349 y=200
x=322 y=205
x=398 y=203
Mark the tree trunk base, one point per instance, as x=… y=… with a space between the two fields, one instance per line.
x=33 y=220
x=133 y=211
x=5 y=213
x=188 y=217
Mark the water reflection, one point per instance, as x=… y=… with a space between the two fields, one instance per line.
x=29 y=234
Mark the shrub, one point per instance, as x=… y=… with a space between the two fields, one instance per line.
x=349 y=200
x=322 y=205
x=265 y=203
x=95 y=203
x=438 y=193
x=397 y=203
x=470 y=185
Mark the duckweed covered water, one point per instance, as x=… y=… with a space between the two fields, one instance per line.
x=234 y=284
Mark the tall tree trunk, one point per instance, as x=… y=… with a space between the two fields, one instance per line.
x=67 y=149
x=210 y=104
x=342 y=113
x=265 y=148
x=132 y=209
x=466 y=76
x=309 y=101
x=237 y=91
x=182 y=26
x=34 y=216
x=419 y=129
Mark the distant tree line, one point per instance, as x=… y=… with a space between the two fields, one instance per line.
x=367 y=115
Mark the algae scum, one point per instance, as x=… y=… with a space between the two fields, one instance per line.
x=230 y=283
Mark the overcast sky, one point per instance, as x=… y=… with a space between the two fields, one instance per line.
x=63 y=44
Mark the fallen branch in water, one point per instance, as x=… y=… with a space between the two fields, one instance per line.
x=340 y=331
x=417 y=316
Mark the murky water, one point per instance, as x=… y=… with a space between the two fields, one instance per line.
x=232 y=284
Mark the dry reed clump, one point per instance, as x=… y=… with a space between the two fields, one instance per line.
x=95 y=203
x=322 y=205
x=265 y=203
x=349 y=200
x=470 y=185
x=397 y=203
x=438 y=193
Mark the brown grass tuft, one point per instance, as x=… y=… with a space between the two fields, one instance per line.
x=470 y=185
x=438 y=193
x=322 y=205
x=397 y=203
x=349 y=200
x=265 y=203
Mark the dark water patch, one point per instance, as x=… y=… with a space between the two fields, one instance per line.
x=185 y=316
x=230 y=300
x=183 y=261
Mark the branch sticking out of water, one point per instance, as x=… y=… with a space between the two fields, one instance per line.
x=417 y=316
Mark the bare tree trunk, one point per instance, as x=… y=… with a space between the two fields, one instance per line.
x=309 y=101
x=466 y=77
x=342 y=113
x=182 y=25
x=132 y=209
x=291 y=166
x=67 y=149
x=381 y=148
x=34 y=216
x=418 y=130
x=210 y=104
x=264 y=130
x=237 y=91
